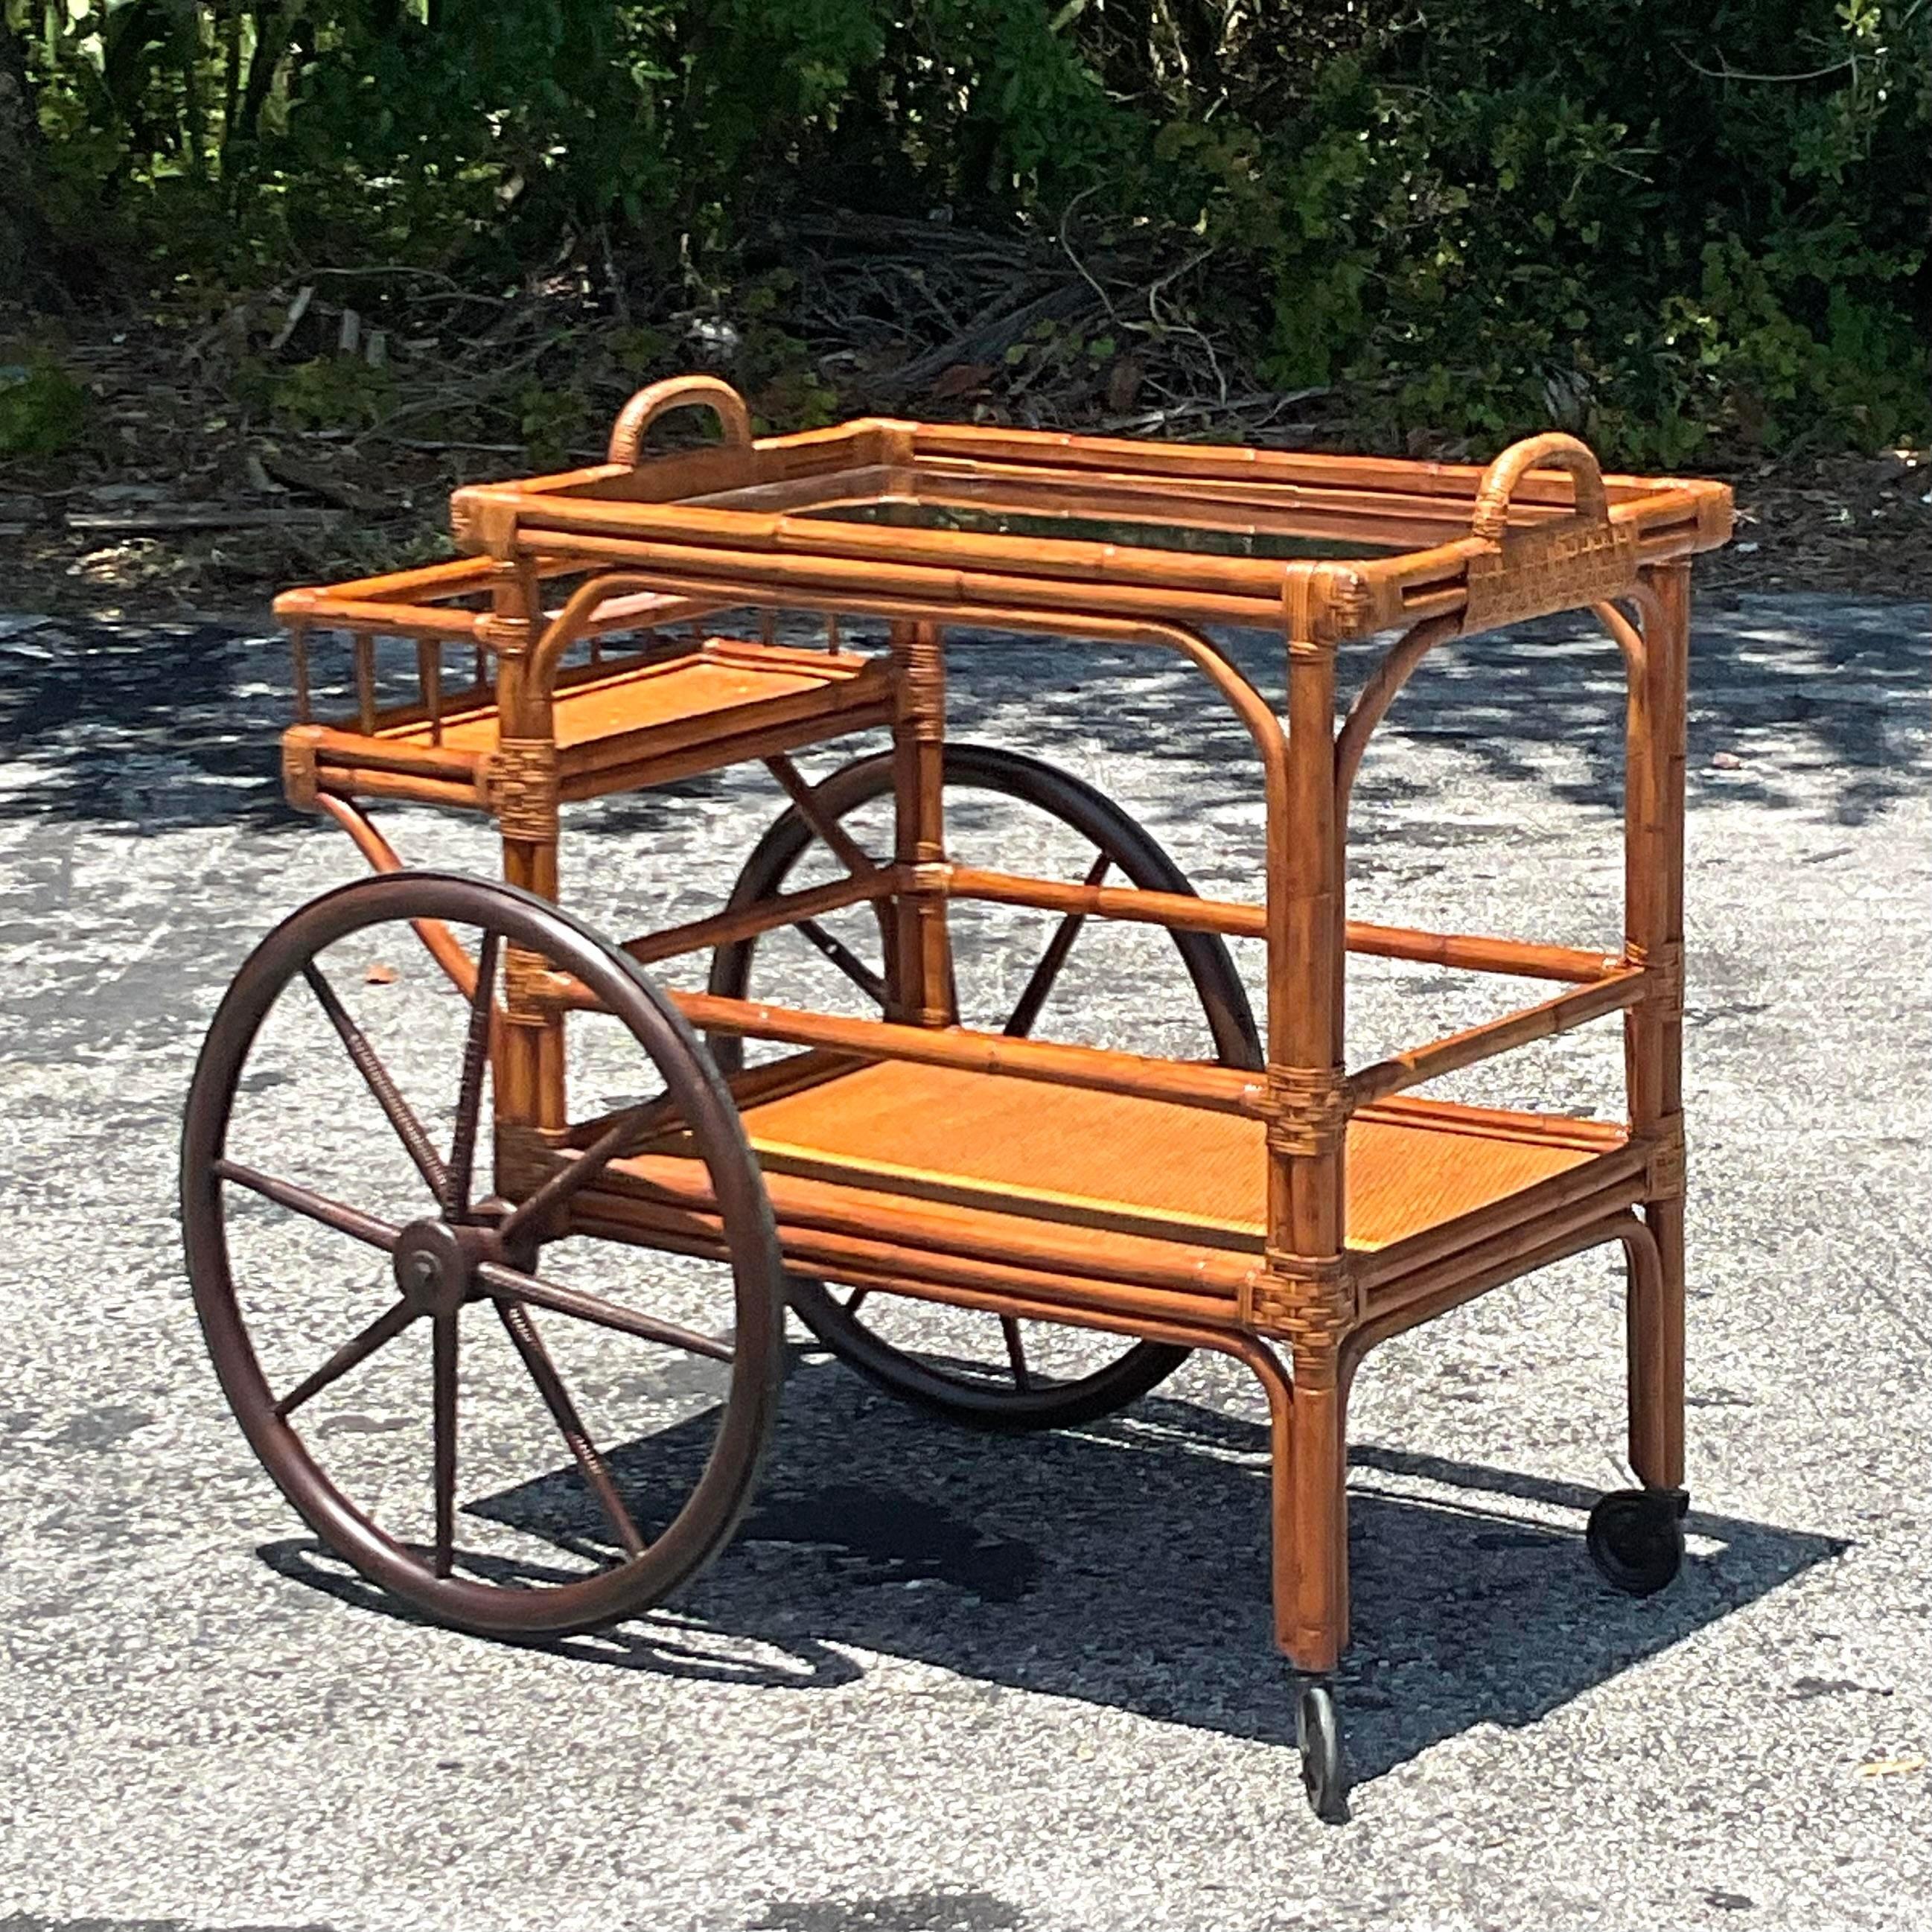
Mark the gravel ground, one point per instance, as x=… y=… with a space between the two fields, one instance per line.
x=942 y=1681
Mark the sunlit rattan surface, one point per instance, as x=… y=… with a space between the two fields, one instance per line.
x=1120 y=1161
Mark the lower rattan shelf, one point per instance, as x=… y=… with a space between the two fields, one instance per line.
x=922 y=1157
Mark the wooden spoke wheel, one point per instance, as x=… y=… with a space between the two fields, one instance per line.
x=998 y=1384
x=317 y=1280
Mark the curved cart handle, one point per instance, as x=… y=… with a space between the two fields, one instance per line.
x=679 y=392
x=1554 y=451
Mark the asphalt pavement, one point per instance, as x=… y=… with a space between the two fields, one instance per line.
x=945 y=1683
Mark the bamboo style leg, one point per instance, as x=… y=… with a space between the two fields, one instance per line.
x=1308 y=1514
x=1306 y=1290
x=530 y=1092
x=1311 y=1561
x=1309 y=1533
x=1635 y=1537
x=1654 y=1316
x=1654 y=1030
x=923 y=948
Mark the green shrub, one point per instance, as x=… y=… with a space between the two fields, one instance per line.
x=332 y=392
x=1659 y=226
x=43 y=408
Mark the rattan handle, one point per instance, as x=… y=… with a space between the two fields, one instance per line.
x=1555 y=451
x=679 y=392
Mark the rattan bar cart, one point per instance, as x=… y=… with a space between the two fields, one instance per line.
x=617 y=628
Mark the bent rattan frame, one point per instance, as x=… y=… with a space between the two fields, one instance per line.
x=648 y=544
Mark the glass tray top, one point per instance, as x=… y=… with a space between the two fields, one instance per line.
x=1277 y=546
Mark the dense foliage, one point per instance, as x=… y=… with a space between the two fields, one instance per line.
x=1659 y=223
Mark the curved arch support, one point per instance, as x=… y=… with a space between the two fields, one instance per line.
x=1654 y=1330
x=1371 y=702
x=1399 y=663
x=1384 y=684
x=1649 y=606
x=1625 y=635
x=1264 y=726
x=445 y=948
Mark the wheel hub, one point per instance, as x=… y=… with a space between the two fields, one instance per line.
x=434 y=1266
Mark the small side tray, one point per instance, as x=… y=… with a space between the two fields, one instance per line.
x=618 y=725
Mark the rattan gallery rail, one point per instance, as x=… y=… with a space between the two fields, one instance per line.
x=617 y=628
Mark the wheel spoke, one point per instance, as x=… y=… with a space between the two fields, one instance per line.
x=358 y=1348
x=858 y=862
x=1033 y=998
x=518 y=1286
x=345 y=1220
x=538 y=1207
x=455 y=1196
x=1015 y=1353
x=443 y=1371
x=799 y=789
x=596 y=1472
x=847 y=962
x=388 y=1097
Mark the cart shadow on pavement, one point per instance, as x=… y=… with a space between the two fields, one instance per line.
x=1125 y=1565
x=151 y=726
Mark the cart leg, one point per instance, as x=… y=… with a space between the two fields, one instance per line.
x=1312 y=1558
x=1310 y=1534
x=922 y=946
x=1654 y=1029
x=1654 y=1252
x=1635 y=1537
x=530 y=1072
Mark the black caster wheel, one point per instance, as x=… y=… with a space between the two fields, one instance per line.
x=1320 y=1738
x=1635 y=1538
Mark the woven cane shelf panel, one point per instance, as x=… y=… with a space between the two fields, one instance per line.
x=1134 y=1166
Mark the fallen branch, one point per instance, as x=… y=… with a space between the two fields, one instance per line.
x=211 y=517
x=317 y=482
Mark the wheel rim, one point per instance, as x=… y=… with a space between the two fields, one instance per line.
x=458 y=1260
x=1318 y=1735
x=1004 y=1390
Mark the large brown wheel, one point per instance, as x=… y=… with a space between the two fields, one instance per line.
x=1016 y=806
x=522 y=1525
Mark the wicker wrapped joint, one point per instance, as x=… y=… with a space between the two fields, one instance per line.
x=618 y=627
